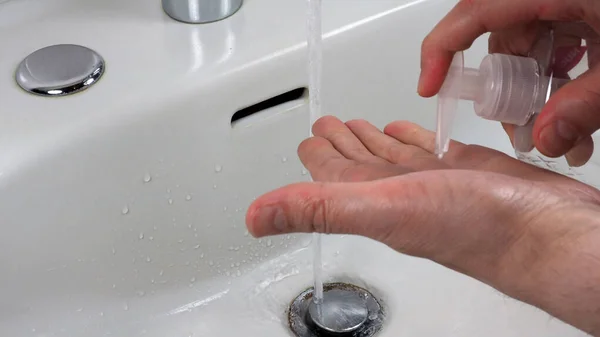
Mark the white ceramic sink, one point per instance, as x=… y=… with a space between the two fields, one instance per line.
x=122 y=207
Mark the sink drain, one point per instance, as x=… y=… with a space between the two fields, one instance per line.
x=347 y=310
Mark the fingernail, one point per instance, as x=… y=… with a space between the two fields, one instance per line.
x=420 y=84
x=571 y=160
x=272 y=217
x=558 y=138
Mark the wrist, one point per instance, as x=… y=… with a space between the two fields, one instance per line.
x=555 y=266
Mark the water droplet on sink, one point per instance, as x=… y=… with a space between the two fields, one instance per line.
x=224 y=208
x=304 y=172
x=147 y=178
x=125 y=210
x=141 y=293
x=148 y=259
x=269 y=243
x=193 y=279
x=214 y=186
x=218 y=168
x=141 y=236
x=283 y=159
x=211 y=263
x=113 y=250
x=239 y=273
x=125 y=307
x=80 y=310
x=101 y=313
x=196 y=246
x=170 y=201
x=202 y=255
x=188 y=197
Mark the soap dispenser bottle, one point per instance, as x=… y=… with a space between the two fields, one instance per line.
x=509 y=89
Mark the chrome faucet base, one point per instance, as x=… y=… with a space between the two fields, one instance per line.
x=200 y=11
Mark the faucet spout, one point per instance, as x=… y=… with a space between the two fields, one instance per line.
x=200 y=11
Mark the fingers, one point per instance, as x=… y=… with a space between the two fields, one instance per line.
x=382 y=145
x=470 y=19
x=321 y=159
x=571 y=115
x=324 y=208
x=516 y=40
x=417 y=214
x=325 y=163
x=413 y=134
x=371 y=209
x=342 y=139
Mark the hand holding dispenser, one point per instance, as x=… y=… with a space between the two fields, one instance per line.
x=508 y=89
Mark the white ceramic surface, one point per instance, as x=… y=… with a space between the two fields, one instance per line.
x=122 y=207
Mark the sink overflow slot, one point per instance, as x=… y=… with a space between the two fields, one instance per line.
x=290 y=96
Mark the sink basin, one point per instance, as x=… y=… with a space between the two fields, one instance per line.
x=123 y=205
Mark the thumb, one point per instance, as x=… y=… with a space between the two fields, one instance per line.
x=438 y=215
x=570 y=117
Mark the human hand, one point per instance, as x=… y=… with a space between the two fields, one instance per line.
x=572 y=114
x=519 y=228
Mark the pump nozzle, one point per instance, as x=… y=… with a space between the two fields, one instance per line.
x=447 y=104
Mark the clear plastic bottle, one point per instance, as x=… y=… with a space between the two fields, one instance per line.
x=509 y=89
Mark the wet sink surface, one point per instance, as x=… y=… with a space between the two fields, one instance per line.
x=123 y=206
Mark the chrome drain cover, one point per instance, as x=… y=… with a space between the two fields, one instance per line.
x=347 y=310
x=59 y=70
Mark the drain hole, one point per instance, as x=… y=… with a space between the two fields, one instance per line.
x=272 y=102
x=347 y=310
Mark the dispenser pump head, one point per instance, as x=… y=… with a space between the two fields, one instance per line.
x=505 y=88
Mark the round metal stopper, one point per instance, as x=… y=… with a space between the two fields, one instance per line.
x=346 y=310
x=341 y=311
x=59 y=70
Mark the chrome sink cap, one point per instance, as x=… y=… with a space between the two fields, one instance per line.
x=59 y=70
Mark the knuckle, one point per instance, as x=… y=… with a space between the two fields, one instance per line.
x=318 y=213
x=398 y=154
